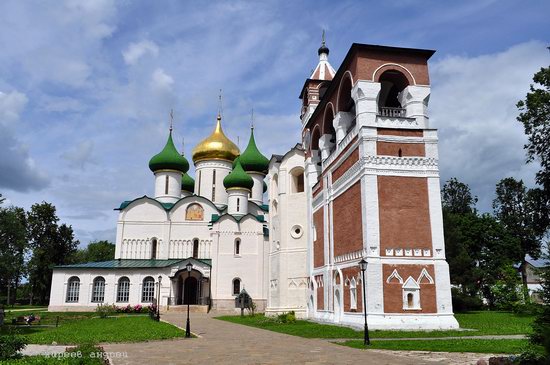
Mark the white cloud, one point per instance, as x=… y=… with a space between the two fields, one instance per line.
x=11 y=105
x=80 y=155
x=473 y=106
x=160 y=80
x=135 y=51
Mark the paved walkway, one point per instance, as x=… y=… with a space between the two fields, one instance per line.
x=222 y=342
x=31 y=350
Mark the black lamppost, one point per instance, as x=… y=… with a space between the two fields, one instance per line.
x=158 y=299
x=363 y=266
x=189 y=267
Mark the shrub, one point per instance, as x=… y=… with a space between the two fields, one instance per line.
x=464 y=302
x=289 y=317
x=105 y=310
x=10 y=345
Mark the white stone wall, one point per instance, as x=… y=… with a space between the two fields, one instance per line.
x=288 y=229
x=58 y=293
x=204 y=180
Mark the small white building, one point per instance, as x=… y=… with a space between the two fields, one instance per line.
x=218 y=224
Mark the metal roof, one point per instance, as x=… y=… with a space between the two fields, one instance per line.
x=128 y=264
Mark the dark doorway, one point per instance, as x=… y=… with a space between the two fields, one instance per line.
x=190 y=291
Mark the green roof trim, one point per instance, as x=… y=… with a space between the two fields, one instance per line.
x=129 y=264
x=238 y=178
x=217 y=217
x=169 y=158
x=252 y=159
x=169 y=206
x=187 y=183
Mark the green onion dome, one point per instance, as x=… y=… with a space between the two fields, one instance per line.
x=238 y=178
x=169 y=159
x=251 y=159
x=265 y=187
x=187 y=183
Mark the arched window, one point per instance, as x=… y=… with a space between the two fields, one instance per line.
x=297 y=180
x=238 y=204
x=237 y=246
x=73 y=290
x=353 y=295
x=392 y=83
x=154 y=248
x=98 y=290
x=195 y=248
x=148 y=290
x=236 y=286
x=166 y=185
x=410 y=298
x=123 y=290
x=400 y=153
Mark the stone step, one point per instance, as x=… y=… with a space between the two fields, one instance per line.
x=183 y=308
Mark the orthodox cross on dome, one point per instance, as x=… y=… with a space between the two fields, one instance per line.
x=252 y=119
x=220 y=105
x=323 y=71
x=183 y=146
x=171 y=120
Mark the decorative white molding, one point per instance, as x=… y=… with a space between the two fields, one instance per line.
x=394 y=275
x=425 y=274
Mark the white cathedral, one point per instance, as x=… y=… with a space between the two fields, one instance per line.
x=367 y=160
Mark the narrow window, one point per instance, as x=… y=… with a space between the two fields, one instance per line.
x=400 y=153
x=148 y=290
x=236 y=286
x=353 y=295
x=238 y=204
x=123 y=290
x=237 y=246
x=166 y=185
x=98 y=290
x=195 y=248
x=410 y=303
x=73 y=289
x=154 y=249
x=199 y=189
x=214 y=185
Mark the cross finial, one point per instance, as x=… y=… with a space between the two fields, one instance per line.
x=171 y=120
x=183 y=146
x=252 y=119
x=220 y=104
x=323 y=38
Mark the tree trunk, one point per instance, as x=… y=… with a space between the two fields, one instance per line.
x=525 y=289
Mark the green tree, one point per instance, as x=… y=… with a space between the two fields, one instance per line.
x=524 y=214
x=2 y=199
x=13 y=245
x=95 y=251
x=535 y=117
x=457 y=197
x=541 y=326
x=51 y=245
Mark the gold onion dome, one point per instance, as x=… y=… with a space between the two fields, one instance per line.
x=216 y=146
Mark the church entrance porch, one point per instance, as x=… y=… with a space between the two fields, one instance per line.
x=190 y=288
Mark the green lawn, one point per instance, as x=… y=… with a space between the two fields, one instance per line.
x=480 y=323
x=462 y=345
x=79 y=328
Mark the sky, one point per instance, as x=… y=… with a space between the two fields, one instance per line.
x=86 y=87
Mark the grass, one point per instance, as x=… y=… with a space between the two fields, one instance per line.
x=508 y=346
x=81 y=328
x=480 y=323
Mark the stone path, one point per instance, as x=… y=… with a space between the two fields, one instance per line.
x=222 y=342
x=31 y=350
x=483 y=337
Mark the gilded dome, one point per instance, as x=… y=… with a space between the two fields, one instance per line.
x=216 y=146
